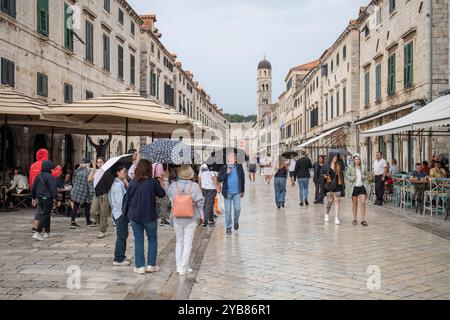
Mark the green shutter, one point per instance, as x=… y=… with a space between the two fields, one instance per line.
x=367 y=89
x=392 y=75
x=42 y=85
x=42 y=17
x=89 y=41
x=68 y=35
x=408 y=68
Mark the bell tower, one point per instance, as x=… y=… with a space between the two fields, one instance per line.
x=264 y=87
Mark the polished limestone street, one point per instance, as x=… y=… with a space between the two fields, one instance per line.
x=288 y=253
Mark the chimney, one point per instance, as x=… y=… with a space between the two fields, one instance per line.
x=149 y=21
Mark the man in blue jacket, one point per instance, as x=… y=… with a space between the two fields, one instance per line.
x=233 y=178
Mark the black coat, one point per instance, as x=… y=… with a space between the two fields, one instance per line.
x=334 y=182
x=318 y=175
x=223 y=177
x=44 y=185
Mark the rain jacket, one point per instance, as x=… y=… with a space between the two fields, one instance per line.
x=36 y=168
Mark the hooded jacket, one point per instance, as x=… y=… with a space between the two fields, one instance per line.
x=35 y=169
x=45 y=184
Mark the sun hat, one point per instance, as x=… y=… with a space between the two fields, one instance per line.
x=185 y=172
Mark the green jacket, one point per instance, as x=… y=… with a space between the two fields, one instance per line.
x=351 y=177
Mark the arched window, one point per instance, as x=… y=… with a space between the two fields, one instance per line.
x=119 y=150
x=265 y=73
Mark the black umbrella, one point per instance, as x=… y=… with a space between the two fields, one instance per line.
x=342 y=152
x=168 y=151
x=219 y=157
x=105 y=176
x=289 y=154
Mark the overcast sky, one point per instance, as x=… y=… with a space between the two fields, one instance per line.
x=222 y=41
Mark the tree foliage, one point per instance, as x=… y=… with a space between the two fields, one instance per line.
x=238 y=118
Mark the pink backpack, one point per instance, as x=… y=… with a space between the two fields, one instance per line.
x=183 y=204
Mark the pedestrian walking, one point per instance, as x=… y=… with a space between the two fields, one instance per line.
x=115 y=197
x=101 y=210
x=162 y=204
x=358 y=184
x=268 y=170
x=101 y=147
x=251 y=166
x=210 y=186
x=43 y=195
x=333 y=174
x=379 y=166
x=232 y=178
x=318 y=180
x=187 y=213
x=281 y=175
x=291 y=166
x=133 y=166
x=141 y=210
x=302 y=174
x=81 y=194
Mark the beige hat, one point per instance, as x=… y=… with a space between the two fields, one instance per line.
x=185 y=172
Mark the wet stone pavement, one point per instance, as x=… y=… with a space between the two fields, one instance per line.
x=288 y=253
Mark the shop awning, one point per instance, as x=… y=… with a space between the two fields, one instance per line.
x=312 y=140
x=434 y=114
x=386 y=113
x=18 y=106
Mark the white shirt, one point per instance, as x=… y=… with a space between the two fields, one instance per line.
x=292 y=165
x=207 y=181
x=378 y=167
x=358 y=181
x=132 y=170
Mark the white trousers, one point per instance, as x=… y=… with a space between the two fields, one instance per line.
x=184 y=236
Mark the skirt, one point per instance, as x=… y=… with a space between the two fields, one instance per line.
x=359 y=191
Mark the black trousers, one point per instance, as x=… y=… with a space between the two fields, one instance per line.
x=379 y=188
x=45 y=206
x=87 y=211
x=320 y=194
x=210 y=196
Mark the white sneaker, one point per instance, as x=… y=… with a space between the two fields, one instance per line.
x=47 y=235
x=101 y=235
x=327 y=217
x=38 y=236
x=139 y=270
x=124 y=263
x=336 y=221
x=151 y=269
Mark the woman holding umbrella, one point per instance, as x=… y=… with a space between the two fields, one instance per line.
x=333 y=174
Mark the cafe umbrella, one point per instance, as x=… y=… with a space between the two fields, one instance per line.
x=104 y=177
x=169 y=151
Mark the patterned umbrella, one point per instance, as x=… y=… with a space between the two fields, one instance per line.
x=168 y=151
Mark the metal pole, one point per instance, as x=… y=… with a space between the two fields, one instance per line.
x=86 y=146
x=430 y=52
x=126 y=134
x=51 y=145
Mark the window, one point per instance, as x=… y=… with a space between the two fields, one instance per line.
x=68 y=93
x=366 y=30
x=106 y=53
x=337 y=60
x=392 y=6
x=42 y=17
x=68 y=34
x=378 y=82
x=391 y=74
x=120 y=62
x=326 y=108
x=344 y=100
x=152 y=84
x=159 y=54
x=8 y=72
x=367 y=88
x=332 y=106
x=157 y=87
x=9 y=7
x=337 y=103
x=289 y=84
x=89 y=95
x=121 y=16
x=107 y=5
x=133 y=28
x=169 y=94
x=42 y=84
x=153 y=47
x=132 y=69
x=332 y=65
x=89 y=41
x=344 y=52
x=408 y=72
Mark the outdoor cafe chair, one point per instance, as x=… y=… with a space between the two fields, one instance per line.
x=431 y=196
x=396 y=190
x=406 y=190
x=443 y=197
x=22 y=200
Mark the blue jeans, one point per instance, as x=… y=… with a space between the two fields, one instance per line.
x=151 y=231
x=280 y=190
x=122 y=236
x=235 y=200
x=303 y=185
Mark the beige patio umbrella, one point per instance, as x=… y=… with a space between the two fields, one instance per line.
x=126 y=113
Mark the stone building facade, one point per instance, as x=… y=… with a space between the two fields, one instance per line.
x=64 y=51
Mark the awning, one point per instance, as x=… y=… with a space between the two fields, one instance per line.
x=385 y=113
x=120 y=113
x=434 y=114
x=18 y=106
x=304 y=144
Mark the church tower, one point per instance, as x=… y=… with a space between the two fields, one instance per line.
x=264 y=87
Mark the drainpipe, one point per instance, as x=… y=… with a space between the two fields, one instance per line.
x=430 y=52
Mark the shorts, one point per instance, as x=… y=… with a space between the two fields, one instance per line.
x=252 y=168
x=291 y=174
x=359 y=191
